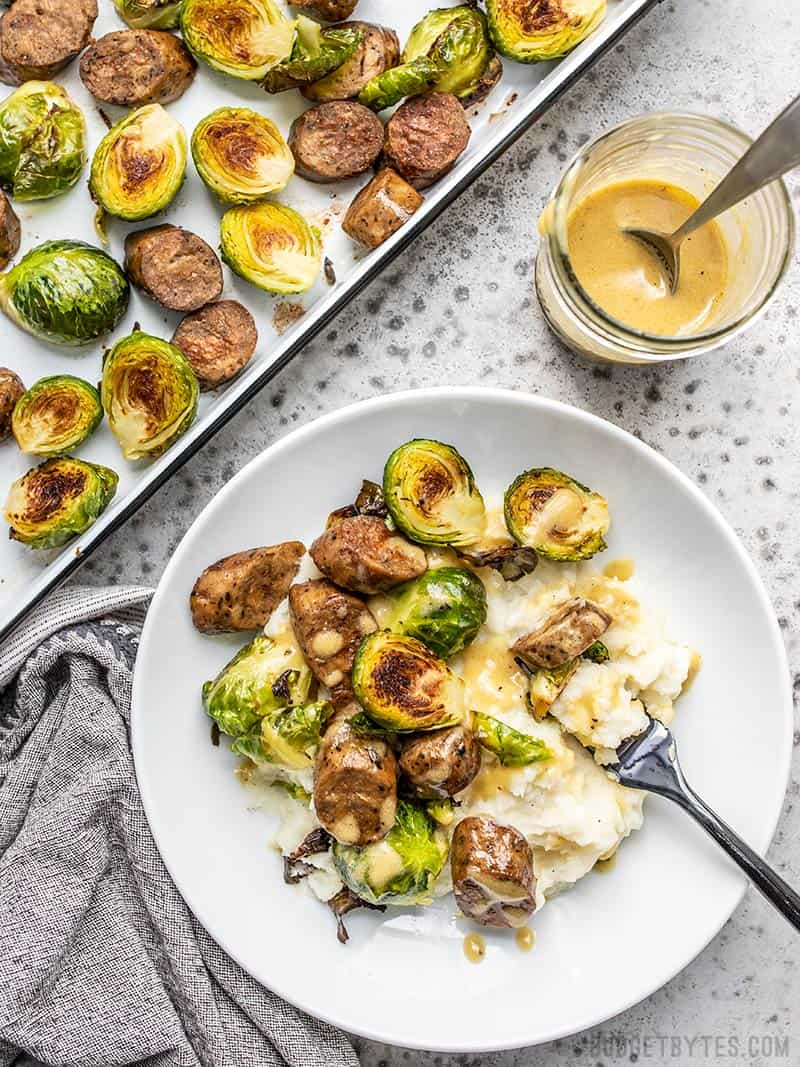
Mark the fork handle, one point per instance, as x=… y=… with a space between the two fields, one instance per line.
x=763 y=877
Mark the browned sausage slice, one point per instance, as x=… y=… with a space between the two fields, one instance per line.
x=440 y=763
x=173 y=266
x=11 y=389
x=240 y=592
x=378 y=51
x=334 y=141
x=361 y=553
x=329 y=626
x=218 y=340
x=135 y=67
x=380 y=208
x=9 y=232
x=492 y=868
x=329 y=10
x=564 y=635
x=38 y=38
x=425 y=136
x=355 y=784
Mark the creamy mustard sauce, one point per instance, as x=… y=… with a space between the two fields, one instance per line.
x=474 y=948
x=624 y=569
x=625 y=279
x=525 y=939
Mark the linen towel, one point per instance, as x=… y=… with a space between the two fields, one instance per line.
x=101 y=962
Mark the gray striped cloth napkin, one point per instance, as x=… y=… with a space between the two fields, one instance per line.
x=101 y=962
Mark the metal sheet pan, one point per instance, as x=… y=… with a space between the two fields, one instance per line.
x=524 y=95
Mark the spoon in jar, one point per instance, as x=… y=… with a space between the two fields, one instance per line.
x=775 y=152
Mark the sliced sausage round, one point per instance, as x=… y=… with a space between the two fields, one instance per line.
x=11 y=389
x=378 y=51
x=425 y=136
x=440 y=763
x=329 y=10
x=135 y=67
x=218 y=340
x=492 y=868
x=334 y=141
x=9 y=232
x=173 y=266
x=361 y=553
x=38 y=38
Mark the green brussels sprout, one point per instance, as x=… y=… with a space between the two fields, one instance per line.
x=404 y=686
x=316 y=52
x=442 y=811
x=243 y=38
x=57 y=500
x=295 y=791
x=444 y=608
x=547 y=685
x=149 y=393
x=263 y=678
x=431 y=494
x=448 y=50
x=534 y=30
x=55 y=415
x=597 y=652
x=240 y=155
x=42 y=141
x=149 y=14
x=139 y=165
x=272 y=246
x=557 y=516
x=65 y=291
x=289 y=736
x=403 y=868
x=511 y=747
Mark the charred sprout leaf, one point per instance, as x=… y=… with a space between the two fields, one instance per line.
x=546 y=686
x=42 y=141
x=272 y=246
x=404 y=686
x=431 y=494
x=389 y=88
x=444 y=608
x=149 y=14
x=215 y=735
x=55 y=415
x=370 y=500
x=65 y=291
x=330 y=273
x=555 y=515
x=294 y=867
x=240 y=155
x=531 y=31
x=294 y=789
x=139 y=165
x=442 y=811
x=60 y=498
x=345 y=901
x=511 y=747
x=400 y=869
x=242 y=694
x=243 y=38
x=149 y=394
x=316 y=52
x=511 y=561
x=456 y=41
x=281 y=687
x=597 y=652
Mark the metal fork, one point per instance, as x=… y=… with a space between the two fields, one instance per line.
x=650 y=761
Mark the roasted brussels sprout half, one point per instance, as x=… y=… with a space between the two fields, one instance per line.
x=65 y=291
x=431 y=494
x=240 y=155
x=42 y=141
x=289 y=736
x=149 y=393
x=139 y=165
x=55 y=415
x=243 y=38
x=149 y=14
x=272 y=246
x=263 y=678
x=444 y=608
x=404 y=686
x=557 y=516
x=401 y=869
x=58 y=499
x=511 y=747
x=530 y=31
x=316 y=52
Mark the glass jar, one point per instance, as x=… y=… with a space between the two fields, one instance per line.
x=693 y=152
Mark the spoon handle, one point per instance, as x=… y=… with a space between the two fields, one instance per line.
x=775 y=152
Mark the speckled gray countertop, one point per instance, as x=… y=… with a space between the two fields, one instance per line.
x=459 y=307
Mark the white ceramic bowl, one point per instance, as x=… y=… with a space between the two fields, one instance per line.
x=601 y=947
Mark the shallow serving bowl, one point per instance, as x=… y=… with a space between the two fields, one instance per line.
x=403 y=977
